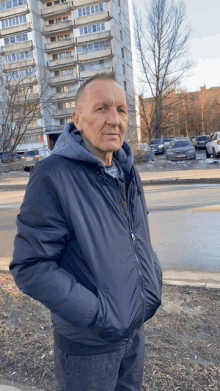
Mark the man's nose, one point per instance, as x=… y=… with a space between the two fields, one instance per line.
x=113 y=117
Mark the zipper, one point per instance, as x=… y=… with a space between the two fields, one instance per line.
x=136 y=256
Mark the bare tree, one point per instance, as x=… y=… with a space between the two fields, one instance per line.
x=162 y=43
x=21 y=103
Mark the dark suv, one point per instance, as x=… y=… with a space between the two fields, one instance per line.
x=201 y=141
x=156 y=145
x=31 y=157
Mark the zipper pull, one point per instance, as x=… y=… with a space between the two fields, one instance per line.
x=132 y=236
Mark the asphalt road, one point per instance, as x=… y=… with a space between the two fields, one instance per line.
x=185 y=226
x=184 y=223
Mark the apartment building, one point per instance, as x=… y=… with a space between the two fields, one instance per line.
x=51 y=47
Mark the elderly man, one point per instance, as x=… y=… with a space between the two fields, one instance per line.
x=83 y=247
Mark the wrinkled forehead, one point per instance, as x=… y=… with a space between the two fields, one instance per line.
x=103 y=90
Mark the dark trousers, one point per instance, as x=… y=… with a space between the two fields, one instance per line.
x=114 y=371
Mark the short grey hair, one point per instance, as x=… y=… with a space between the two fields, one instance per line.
x=98 y=76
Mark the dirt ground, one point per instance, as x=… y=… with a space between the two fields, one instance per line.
x=182 y=340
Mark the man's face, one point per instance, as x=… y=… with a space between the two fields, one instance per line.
x=101 y=115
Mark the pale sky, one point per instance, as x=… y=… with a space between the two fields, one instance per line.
x=204 y=16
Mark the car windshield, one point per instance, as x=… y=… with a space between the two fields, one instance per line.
x=167 y=140
x=202 y=138
x=180 y=144
x=31 y=153
x=156 y=141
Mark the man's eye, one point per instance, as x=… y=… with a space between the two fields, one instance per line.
x=101 y=108
x=122 y=110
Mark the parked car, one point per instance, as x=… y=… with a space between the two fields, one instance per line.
x=156 y=145
x=31 y=157
x=13 y=157
x=213 y=146
x=181 y=150
x=144 y=154
x=201 y=141
x=166 y=142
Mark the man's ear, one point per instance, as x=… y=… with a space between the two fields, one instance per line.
x=76 y=120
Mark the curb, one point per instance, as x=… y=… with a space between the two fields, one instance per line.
x=195 y=284
x=180 y=181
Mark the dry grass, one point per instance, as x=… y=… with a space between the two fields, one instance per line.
x=182 y=340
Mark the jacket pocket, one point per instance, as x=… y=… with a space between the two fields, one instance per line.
x=152 y=290
x=114 y=327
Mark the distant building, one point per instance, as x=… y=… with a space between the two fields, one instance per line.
x=185 y=113
x=63 y=43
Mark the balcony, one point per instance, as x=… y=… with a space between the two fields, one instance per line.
x=15 y=11
x=56 y=10
x=57 y=28
x=26 y=81
x=87 y=74
x=20 y=28
x=27 y=98
x=82 y=3
x=95 y=55
x=54 y=46
x=95 y=18
x=62 y=62
x=54 y=129
x=64 y=96
x=27 y=45
x=93 y=37
x=19 y=64
x=57 y=80
x=63 y=113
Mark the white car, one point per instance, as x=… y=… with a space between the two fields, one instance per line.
x=213 y=146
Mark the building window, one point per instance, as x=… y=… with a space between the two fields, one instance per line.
x=11 y=4
x=22 y=74
x=61 y=55
x=125 y=86
x=19 y=56
x=94 y=28
x=94 y=47
x=121 y=35
x=93 y=9
x=123 y=69
x=94 y=65
x=16 y=39
x=60 y=106
x=70 y=105
x=28 y=90
x=62 y=121
x=57 y=73
x=59 y=20
x=31 y=139
x=49 y=4
x=122 y=53
x=68 y=119
x=53 y=39
x=14 y=21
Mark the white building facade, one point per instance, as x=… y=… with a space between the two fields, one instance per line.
x=58 y=45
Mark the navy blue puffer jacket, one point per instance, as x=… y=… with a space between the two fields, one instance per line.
x=83 y=248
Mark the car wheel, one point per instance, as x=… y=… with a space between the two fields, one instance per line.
x=213 y=153
x=207 y=154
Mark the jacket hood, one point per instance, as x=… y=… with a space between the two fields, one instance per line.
x=70 y=144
